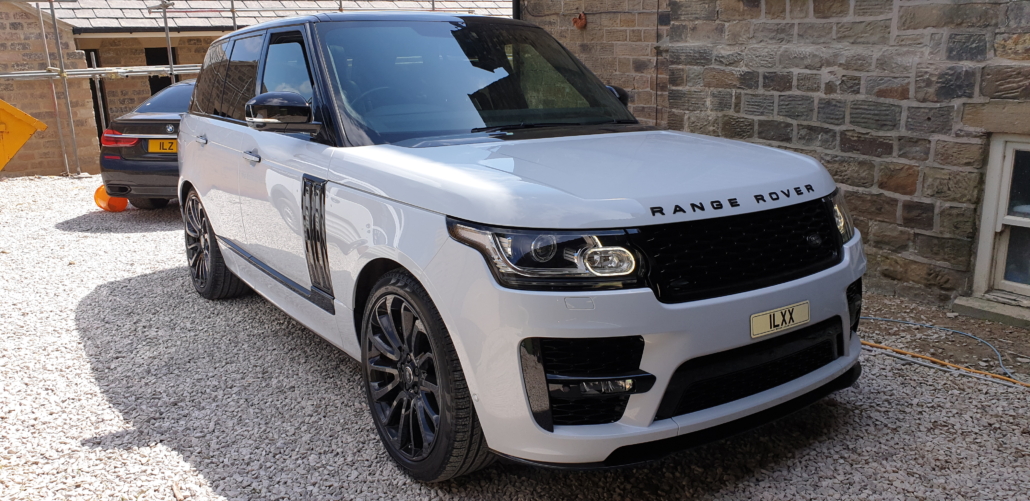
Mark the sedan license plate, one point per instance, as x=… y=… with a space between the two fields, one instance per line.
x=768 y=322
x=162 y=146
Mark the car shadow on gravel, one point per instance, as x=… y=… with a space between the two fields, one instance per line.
x=130 y=220
x=265 y=409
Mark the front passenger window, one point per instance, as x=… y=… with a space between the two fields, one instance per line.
x=240 y=79
x=286 y=69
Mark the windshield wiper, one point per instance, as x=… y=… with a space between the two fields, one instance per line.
x=523 y=125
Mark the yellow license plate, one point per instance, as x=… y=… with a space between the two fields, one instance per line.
x=768 y=322
x=163 y=146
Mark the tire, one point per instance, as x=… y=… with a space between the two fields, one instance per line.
x=211 y=278
x=149 y=203
x=413 y=375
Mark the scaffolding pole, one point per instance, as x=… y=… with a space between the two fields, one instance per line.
x=53 y=92
x=67 y=92
x=100 y=93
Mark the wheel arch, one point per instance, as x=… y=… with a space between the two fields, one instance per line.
x=369 y=275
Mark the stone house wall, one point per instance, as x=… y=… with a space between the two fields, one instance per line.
x=897 y=98
x=22 y=49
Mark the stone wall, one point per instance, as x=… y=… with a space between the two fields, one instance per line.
x=897 y=98
x=22 y=49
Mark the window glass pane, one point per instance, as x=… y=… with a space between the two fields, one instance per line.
x=1017 y=261
x=172 y=99
x=212 y=76
x=543 y=86
x=1019 y=194
x=286 y=70
x=241 y=77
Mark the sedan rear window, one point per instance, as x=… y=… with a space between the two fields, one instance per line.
x=174 y=99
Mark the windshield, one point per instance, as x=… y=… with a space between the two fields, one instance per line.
x=403 y=80
x=174 y=99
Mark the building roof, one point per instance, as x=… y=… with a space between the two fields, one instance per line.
x=99 y=16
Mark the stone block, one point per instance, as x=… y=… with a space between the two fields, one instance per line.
x=820 y=137
x=761 y=57
x=914 y=148
x=902 y=179
x=737 y=10
x=1018 y=14
x=776 y=130
x=852 y=141
x=850 y=84
x=889 y=237
x=721 y=100
x=873 y=206
x=704 y=123
x=798 y=9
x=864 y=32
x=831 y=111
x=918 y=215
x=943 y=83
x=851 y=171
x=959 y=154
x=951 y=185
x=855 y=60
x=737 y=127
x=796 y=107
x=1012 y=46
x=967 y=47
x=930 y=120
x=777 y=81
x=899 y=61
x=677 y=76
x=691 y=55
x=775 y=33
x=875 y=115
x=869 y=8
x=776 y=9
x=1006 y=82
x=695 y=76
x=730 y=78
x=824 y=9
x=728 y=56
x=758 y=105
x=738 y=32
x=998 y=116
x=803 y=57
x=954 y=251
x=815 y=32
x=974 y=15
x=958 y=221
x=694 y=10
x=888 y=87
x=688 y=100
x=809 y=82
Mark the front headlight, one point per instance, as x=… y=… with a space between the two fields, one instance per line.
x=842 y=217
x=553 y=260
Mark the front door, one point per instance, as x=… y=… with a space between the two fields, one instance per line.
x=284 y=174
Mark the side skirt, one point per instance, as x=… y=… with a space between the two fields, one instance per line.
x=315 y=295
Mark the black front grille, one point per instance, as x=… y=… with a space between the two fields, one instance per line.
x=720 y=256
x=723 y=377
x=599 y=357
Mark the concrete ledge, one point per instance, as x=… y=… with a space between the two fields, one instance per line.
x=994 y=311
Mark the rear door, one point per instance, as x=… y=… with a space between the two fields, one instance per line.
x=281 y=182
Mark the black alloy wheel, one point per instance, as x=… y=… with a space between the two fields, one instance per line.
x=402 y=377
x=211 y=278
x=415 y=386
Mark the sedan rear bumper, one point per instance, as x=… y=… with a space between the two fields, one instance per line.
x=133 y=178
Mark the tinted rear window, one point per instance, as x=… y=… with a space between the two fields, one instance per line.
x=174 y=99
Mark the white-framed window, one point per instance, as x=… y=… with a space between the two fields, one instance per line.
x=1003 y=250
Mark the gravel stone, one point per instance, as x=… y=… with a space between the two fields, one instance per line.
x=117 y=381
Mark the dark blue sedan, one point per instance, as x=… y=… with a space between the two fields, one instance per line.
x=139 y=150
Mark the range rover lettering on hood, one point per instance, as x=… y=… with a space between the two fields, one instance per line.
x=760 y=198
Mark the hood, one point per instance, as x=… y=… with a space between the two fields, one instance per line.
x=598 y=181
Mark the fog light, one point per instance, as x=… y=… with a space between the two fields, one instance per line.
x=606 y=387
x=609 y=261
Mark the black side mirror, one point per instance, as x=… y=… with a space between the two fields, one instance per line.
x=281 y=112
x=620 y=93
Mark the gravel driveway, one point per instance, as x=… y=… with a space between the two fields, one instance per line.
x=118 y=382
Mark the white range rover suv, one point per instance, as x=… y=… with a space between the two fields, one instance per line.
x=521 y=269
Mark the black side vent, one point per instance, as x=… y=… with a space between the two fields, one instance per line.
x=854 y=294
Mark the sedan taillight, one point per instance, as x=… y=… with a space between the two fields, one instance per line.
x=113 y=138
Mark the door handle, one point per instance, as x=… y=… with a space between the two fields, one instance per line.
x=251 y=157
x=202 y=139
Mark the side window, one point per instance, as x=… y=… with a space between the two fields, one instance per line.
x=208 y=92
x=241 y=77
x=286 y=69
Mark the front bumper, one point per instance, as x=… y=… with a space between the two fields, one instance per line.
x=488 y=322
